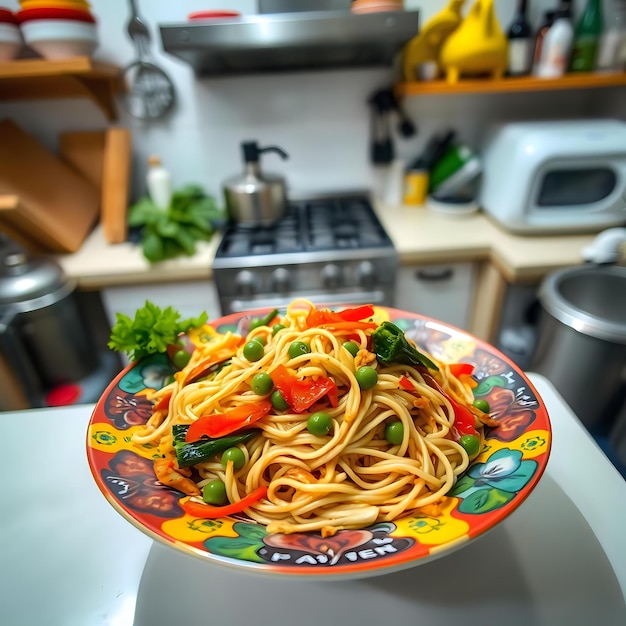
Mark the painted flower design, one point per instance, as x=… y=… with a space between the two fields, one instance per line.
x=104 y=438
x=490 y=485
x=127 y=411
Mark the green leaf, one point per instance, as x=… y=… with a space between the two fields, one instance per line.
x=144 y=211
x=186 y=240
x=465 y=483
x=152 y=246
x=167 y=228
x=485 y=500
x=151 y=330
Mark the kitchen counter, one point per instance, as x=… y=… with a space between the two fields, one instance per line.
x=419 y=235
x=68 y=559
x=424 y=236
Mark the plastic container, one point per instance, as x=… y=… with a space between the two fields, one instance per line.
x=581 y=341
x=556 y=48
x=159 y=183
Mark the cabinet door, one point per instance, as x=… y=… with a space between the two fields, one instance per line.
x=443 y=292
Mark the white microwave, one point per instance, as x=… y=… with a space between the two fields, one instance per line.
x=555 y=177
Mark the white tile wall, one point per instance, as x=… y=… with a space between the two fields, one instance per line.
x=320 y=118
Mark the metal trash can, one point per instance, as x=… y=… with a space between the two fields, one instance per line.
x=581 y=341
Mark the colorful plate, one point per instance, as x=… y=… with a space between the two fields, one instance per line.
x=497 y=482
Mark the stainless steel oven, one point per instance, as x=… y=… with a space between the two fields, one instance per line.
x=328 y=249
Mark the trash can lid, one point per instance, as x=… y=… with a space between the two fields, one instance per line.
x=589 y=298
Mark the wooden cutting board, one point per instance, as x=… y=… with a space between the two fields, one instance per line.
x=104 y=158
x=84 y=151
x=57 y=206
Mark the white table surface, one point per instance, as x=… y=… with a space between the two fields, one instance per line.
x=68 y=559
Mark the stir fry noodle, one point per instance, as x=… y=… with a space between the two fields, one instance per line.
x=315 y=420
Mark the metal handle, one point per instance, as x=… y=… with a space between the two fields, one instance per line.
x=279 y=151
x=444 y=274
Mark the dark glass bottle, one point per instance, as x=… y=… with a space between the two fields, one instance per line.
x=520 y=42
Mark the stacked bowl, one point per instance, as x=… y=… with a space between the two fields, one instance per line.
x=58 y=29
x=10 y=37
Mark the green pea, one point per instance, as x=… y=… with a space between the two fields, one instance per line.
x=297 y=348
x=471 y=443
x=352 y=347
x=253 y=350
x=255 y=324
x=319 y=424
x=180 y=358
x=394 y=432
x=366 y=376
x=277 y=328
x=262 y=383
x=482 y=405
x=214 y=492
x=278 y=401
x=235 y=455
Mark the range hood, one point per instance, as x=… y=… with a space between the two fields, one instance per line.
x=278 y=42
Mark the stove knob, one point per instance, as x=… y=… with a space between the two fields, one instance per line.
x=246 y=283
x=280 y=280
x=366 y=274
x=331 y=276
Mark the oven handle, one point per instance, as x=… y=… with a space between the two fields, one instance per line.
x=359 y=297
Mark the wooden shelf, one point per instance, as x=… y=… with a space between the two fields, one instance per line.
x=511 y=85
x=79 y=77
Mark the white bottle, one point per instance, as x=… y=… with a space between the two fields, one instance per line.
x=159 y=183
x=613 y=40
x=556 y=48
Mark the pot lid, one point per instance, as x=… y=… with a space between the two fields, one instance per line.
x=24 y=277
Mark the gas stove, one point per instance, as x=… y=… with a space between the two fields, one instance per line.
x=330 y=250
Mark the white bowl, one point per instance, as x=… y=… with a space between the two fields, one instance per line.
x=60 y=39
x=10 y=41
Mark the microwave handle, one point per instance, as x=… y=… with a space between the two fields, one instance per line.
x=15 y=355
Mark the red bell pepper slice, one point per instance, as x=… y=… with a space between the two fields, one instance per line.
x=302 y=394
x=406 y=384
x=221 y=424
x=207 y=511
x=163 y=403
x=326 y=317
x=457 y=369
x=463 y=417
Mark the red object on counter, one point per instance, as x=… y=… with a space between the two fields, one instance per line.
x=63 y=395
x=7 y=17
x=212 y=15
x=52 y=13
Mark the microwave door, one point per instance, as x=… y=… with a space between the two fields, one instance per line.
x=577 y=188
x=578 y=191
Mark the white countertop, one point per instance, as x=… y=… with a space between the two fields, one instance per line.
x=419 y=235
x=69 y=559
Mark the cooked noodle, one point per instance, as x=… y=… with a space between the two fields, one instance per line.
x=351 y=477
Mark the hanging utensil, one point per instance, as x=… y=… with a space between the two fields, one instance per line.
x=149 y=91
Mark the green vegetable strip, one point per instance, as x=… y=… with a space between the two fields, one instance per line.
x=264 y=321
x=391 y=346
x=188 y=454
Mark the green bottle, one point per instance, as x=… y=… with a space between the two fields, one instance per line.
x=586 y=38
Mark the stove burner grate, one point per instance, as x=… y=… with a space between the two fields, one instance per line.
x=322 y=224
